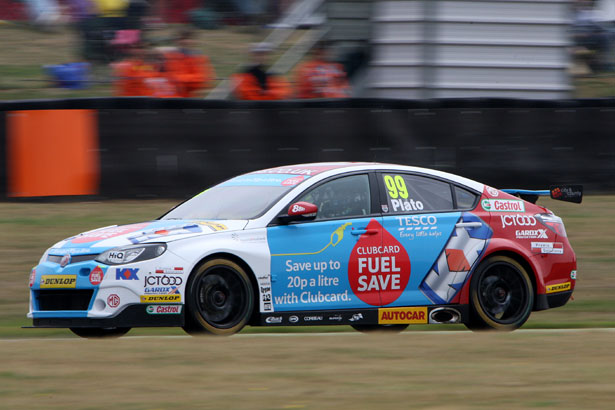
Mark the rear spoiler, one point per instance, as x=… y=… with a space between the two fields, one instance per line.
x=568 y=193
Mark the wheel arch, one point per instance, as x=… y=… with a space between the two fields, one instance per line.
x=254 y=317
x=526 y=264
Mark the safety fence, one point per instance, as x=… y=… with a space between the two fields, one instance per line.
x=172 y=148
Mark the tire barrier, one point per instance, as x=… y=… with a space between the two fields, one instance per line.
x=173 y=148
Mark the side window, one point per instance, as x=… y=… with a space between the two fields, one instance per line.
x=341 y=198
x=465 y=198
x=410 y=193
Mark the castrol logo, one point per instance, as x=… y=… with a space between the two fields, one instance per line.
x=503 y=205
x=517 y=220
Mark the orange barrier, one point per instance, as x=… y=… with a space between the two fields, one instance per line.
x=52 y=152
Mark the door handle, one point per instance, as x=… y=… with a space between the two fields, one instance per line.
x=364 y=231
x=469 y=225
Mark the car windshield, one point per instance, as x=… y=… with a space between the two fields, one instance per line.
x=244 y=197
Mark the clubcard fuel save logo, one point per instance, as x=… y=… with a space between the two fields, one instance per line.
x=379 y=267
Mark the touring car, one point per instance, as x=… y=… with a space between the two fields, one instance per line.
x=374 y=246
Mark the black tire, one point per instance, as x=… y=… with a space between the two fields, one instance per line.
x=379 y=328
x=501 y=295
x=99 y=332
x=219 y=298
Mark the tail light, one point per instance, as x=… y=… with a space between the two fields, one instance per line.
x=552 y=222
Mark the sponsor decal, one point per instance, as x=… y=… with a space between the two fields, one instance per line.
x=573 y=274
x=549 y=247
x=65 y=260
x=297 y=208
x=174 y=298
x=570 y=193
x=503 y=205
x=116 y=256
x=293 y=180
x=96 y=275
x=161 y=290
x=336 y=318
x=313 y=318
x=378 y=271
x=517 y=220
x=492 y=191
x=178 y=270
x=454 y=264
x=32 y=276
x=58 y=281
x=107 y=233
x=418 y=226
x=398 y=195
x=164 y=309
x=560 y=287
x=267 y=307
x=385 y=208
x=273 y=319
x=163 y=280
x=214 y=226
x=113 y=300
x=293 y=319
x=402 y=315
x=531 y=234
x=174 y=230
x=356 y=317
x=126 y=274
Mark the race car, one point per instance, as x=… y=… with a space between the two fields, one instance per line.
x=374 y=246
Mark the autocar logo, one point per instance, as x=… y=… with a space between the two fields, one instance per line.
x=273 y=319
x=65 y=260
x=356 y=317
x=293 y=319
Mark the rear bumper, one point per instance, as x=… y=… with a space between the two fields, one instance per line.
x=132 y=316
x=545 y=301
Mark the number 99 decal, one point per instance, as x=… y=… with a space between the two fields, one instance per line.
x=396 y=186
x=399 y=196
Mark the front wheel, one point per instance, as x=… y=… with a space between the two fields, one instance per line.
x=379 y=328
x=219 y=298
x=501 y=295
x=99 y=332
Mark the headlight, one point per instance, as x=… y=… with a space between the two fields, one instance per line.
x=44 y=257
x=132 y=253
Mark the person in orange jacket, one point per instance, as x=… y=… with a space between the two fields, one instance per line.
x=141 y=75
x=256 y=83
x=188 y=70
x=321 y=78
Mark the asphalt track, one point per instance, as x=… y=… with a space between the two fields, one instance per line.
x=344 y=334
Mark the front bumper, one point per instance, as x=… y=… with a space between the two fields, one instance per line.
x=131 y=316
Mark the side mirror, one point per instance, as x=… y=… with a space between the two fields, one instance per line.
x=299 y=211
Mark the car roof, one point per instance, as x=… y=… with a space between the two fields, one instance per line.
x=333 y=168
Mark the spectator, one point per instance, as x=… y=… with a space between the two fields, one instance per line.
x=320 y=77
x=256 y=83
x=188 y=70
x=142 y=74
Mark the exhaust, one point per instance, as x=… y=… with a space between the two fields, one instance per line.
x=444 y=315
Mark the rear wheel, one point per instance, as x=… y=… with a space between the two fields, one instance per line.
x=379 y=328
x=219 y=298
x=99 y=332
x=501 y=295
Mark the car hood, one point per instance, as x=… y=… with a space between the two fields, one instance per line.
x=101 y=239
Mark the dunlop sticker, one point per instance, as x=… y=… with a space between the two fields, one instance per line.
x=58 y=281
x=560 y=287
x=161 y=298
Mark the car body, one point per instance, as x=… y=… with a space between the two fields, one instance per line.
x=375 y=246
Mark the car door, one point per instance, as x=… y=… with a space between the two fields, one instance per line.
x=426 y=217
x=315 y=264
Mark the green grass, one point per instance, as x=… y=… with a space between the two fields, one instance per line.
x=27 y=229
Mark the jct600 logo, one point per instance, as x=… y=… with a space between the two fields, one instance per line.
x=164 y=280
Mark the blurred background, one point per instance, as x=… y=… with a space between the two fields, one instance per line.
x=390 y=49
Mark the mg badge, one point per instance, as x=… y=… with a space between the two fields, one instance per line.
x=65 y=260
